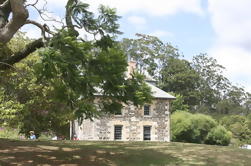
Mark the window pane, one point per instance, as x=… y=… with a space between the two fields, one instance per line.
x=117 y=132
x=147 y=132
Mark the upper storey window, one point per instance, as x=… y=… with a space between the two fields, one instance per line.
x=118 y=112
x=146 y=109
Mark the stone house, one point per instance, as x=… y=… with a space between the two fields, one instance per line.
x=149 y=122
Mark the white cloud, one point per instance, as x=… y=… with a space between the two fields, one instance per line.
x=153 y=8
x=237 y=62
x=136 y=20
x=138 y=23
x=231 y=22
x=156 y=7
x=161 y=34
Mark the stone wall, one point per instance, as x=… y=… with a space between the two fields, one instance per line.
x=132 y=121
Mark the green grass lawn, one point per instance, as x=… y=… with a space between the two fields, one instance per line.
x=13 y=152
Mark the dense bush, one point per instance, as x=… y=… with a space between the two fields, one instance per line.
x=181 y=126
x=249 y=121
x=187 y=127
x=198 y=128
x=218 y=136
x=10 y=133
x=239 y=126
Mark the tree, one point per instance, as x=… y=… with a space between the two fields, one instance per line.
x=238 y=101
x=13 y=16
x=11 y=95
x=238 y=125
x=162 y=62
x=201 y=82
x=179 y=77
x=213 y=84
x=69 y=72
x=9 y=110
x=178 y=104
x=149 y=52
x=19 y=17
x=77 y=15
x=77 y=71
x=27 y=104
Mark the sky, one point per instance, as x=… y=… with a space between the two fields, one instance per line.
x=220 y=28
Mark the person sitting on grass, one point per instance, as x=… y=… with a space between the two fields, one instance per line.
x=32 y=135
x=75 y=137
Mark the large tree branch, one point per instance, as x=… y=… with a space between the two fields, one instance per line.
x=4 y=3
x=17 y=57
x=44 y=28
x=20 y=15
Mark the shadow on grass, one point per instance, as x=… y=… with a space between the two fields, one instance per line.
x=78 y=153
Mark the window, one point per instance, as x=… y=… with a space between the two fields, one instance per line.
x=117 y=132
x=147 y=132
x=118 y=112
x=146 y=109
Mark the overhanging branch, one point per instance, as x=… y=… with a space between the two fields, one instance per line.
x=44 y=28
x=18 y=56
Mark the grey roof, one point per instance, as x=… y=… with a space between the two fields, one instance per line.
x=158 y=93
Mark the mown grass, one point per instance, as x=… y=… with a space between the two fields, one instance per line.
x=84 y=153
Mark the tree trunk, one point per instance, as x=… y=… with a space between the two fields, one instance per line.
x=19 y=17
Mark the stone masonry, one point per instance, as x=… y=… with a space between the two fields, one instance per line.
x=132 y=121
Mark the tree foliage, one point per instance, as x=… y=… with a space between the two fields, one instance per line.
x=36 y=108
x=178 y=104
x=61 y=81
x=239 y=126
x=149 y=52
x=212 y=83
x=178 y=76
x=201 y=82
x=9 y=110
x=162 y=62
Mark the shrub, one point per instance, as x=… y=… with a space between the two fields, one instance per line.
x=181 y=126
x=6 y=132
x=226 y=121
x=239 y=126
x=202 y=124
x=219 y=136
x=249 y=121
x=187 y=127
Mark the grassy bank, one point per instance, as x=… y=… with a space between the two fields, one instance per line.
x=118 y=153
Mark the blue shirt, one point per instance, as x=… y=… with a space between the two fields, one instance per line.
x=33 y=137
